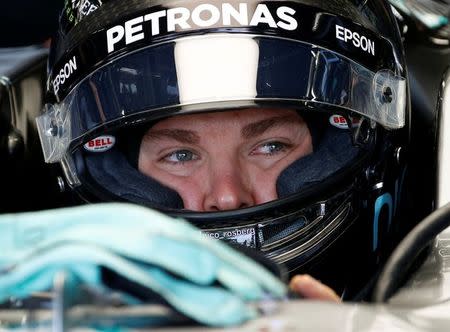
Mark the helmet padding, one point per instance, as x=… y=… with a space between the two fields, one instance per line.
x=332 y=152
x=113 y=171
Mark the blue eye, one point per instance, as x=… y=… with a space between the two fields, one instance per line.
x=271 y=148
x=275 y=147
x=181 y=156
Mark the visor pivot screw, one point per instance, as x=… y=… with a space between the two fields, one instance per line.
x=52 y=130
x=61 y=184
x=387 y=95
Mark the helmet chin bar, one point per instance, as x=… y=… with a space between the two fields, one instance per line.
x=290 y=237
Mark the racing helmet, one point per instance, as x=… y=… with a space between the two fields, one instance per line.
x=118 y=69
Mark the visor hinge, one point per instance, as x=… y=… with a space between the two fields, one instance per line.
x=387 y=96
x=54 y=132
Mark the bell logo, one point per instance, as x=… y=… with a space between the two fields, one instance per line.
x=100 y=144
x=340 y=122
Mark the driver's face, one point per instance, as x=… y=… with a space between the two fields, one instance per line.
x=224 y=160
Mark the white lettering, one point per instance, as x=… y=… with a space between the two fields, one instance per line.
x=87 y=8
x=364 y=43
x=132 y=29
x=347 y=35
x=289 y=23
x=240 y=16
x=73 y=64
x=203 y=15
x=113 y=36
x=212 y=11
x=371 y=46
x=213 y=235
x=358 y=40
x=75 y=3
x=154 y=18
x=339 y=32
x=177 y=16
x=65 y=72
x=262 y=15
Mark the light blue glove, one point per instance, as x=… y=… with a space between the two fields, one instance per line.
x=36 y=245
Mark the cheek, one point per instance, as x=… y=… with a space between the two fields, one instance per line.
x=263 y=184
x=264 y=181
x=190 y=192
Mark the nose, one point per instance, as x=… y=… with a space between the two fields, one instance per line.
x=230 y=190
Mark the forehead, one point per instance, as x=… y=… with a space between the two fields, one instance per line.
x=238 y=118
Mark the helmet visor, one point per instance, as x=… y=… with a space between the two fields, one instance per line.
x=217 y=71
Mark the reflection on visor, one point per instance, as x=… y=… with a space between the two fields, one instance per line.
x=216 y=68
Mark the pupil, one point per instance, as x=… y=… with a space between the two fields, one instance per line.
x=273 y=147
x=184 y=155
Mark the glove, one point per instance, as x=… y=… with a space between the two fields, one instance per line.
x=168 y=256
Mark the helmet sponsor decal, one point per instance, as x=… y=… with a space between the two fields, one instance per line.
x=243 y=236
x=77 y=9
x=153 y=24
x=85 y=7
x=358 y=40
x=100 y=144
x=201 y=16
x=64 y=73
x=340 y=122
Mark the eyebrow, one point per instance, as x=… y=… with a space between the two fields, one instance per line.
x=260 y=127
x=180 y=135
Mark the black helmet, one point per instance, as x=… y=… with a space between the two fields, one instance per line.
x=119 y=69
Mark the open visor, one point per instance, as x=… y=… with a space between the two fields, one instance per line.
x=202 y=73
